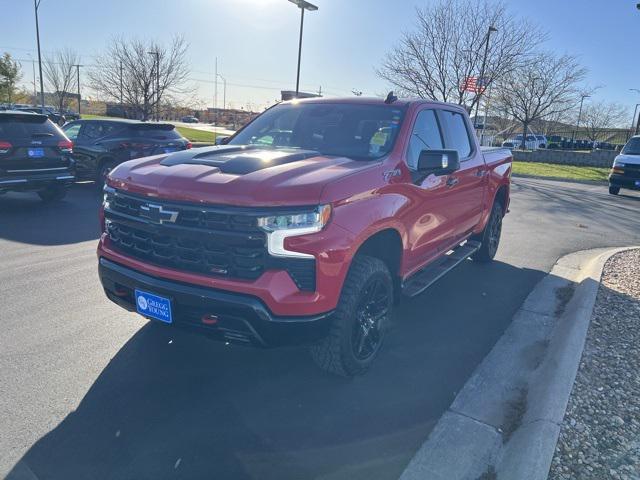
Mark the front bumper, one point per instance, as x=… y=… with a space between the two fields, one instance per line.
x=227 y=315
x=624 y=181
x=37 y=179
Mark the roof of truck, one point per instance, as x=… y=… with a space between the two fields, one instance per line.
x=368 y=101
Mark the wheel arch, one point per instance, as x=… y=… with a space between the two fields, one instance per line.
x=386 y=245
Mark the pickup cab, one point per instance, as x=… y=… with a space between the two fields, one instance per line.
x=307 y=226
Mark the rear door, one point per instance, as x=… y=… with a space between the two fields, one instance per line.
x=466 y=186
x=32 y=144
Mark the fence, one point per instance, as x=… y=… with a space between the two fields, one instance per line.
x=612 y=139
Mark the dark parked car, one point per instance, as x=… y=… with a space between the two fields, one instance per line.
x=55 y=117
x=34 y=155
x=70 y=115
x=101 y=145
x=190 y=119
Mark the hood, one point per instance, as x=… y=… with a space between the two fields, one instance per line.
x=235 y=175
x=632 y=159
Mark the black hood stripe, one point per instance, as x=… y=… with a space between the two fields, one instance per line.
x=237 y=160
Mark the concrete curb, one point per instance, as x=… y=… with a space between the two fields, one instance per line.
x=505 y=421
x=562 y=179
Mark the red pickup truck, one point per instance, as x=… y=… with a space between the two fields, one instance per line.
x=306 y=226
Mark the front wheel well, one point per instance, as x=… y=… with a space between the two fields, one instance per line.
x=385 y=245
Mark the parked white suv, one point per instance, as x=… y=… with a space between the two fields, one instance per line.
x=533 y=142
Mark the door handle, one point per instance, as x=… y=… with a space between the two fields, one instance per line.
x=480 y=172
x=452 y=181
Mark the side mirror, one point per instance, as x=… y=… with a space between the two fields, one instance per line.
x=438 y=162
x=222 y=140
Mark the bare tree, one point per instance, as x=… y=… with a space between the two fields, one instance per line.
x=597 y=117
x=128 y=71
x=59 y=71
x=448 y=47
x=544 y=87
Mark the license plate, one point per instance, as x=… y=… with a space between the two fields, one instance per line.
x=169 y=150
x=153 y=306
x=36 y=152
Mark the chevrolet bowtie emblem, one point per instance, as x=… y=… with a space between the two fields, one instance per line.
x=157 y=213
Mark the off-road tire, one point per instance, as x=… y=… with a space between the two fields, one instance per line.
x=52 y=194
x=488 y=240
x=614 y=190
x=335 y=353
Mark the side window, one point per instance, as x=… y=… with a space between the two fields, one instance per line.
x=425 y=136
x=72 y=131
x=92 y=130
x=108 y=128
x=458 y=133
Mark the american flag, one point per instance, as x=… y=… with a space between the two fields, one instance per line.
x=474 y=84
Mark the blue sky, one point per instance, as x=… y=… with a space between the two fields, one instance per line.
x=256 y=40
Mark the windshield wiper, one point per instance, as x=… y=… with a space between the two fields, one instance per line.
x=43 y=134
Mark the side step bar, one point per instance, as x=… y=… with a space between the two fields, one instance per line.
x=420 y=281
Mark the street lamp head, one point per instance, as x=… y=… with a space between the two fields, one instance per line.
x=493 y=29
x=305 y=5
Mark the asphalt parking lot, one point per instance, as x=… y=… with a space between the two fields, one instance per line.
x=90 y=391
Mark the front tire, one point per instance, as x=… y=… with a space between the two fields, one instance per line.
x=490 y=236
x=360 y=321
x=52 y=194
x=614 y=190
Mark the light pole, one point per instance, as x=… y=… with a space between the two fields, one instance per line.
x=224 y=92
x=157 y=65
x=78 y=72
x=302 y=5
x=573 y=134
x=36 y=5
x=481 y=79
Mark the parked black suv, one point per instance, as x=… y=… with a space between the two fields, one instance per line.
x=101 y=145
x=34 y=155
x=54 y=116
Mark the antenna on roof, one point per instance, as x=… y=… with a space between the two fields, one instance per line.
x=390 y=98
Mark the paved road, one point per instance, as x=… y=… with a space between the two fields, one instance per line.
x=90 y=391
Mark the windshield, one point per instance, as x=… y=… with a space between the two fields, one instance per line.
x=632 y=147
x=355 y=131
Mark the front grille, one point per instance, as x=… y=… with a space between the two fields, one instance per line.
x=238 y=257
x=217 y=241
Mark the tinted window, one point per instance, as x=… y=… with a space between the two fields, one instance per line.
x=92 y=130
x=632 y=147
x=458 y=133
x=13 y=126
x=156 y=132
x=72 y=131
x=425 y=136
x=341 y=129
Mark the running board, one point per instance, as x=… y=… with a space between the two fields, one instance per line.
x=420 y=281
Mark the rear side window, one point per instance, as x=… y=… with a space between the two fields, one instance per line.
x=425 y=136
x=14 y=127
x=154 y=132
x=458 y=133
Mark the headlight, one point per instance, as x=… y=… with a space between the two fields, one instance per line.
x=280 y=227
x=107 y=196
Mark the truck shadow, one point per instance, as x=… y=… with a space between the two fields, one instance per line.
x=175 y=405
x=25 y=219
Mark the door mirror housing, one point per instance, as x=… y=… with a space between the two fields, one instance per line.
x=222 y=140
x=438 y=162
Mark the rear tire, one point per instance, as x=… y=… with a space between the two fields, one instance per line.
x=54 y=193
x=614 y=190
x=490 y=236
x=360 y=322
